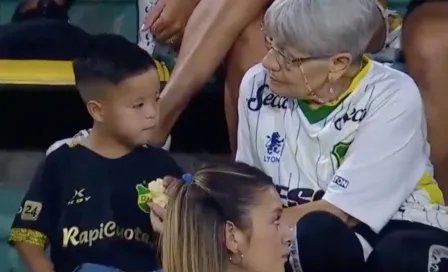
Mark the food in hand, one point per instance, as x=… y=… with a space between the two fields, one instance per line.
x=157 y=191
x=161 y=200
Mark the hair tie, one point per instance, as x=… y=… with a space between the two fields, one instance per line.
x=187 y=178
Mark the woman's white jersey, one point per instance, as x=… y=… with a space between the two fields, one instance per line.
x=366 y=154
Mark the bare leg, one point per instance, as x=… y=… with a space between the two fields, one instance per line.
x=425 y=43
x=248 y=50
x=210 y=33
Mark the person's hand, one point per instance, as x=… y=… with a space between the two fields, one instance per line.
x=168 y=18
x=171 y=185
x=153 y=14
x=157 y=214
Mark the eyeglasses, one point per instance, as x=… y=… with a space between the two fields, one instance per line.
x=283 y=60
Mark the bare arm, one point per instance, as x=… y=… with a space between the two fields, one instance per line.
x=34 y=223
x=34 y=257
x=211 y=31
x=294 y=214
x=424 y=45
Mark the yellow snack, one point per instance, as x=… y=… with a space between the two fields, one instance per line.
x=161 y=200
x=157 y=191
x=156 y=187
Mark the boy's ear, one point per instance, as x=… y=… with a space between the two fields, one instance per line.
x=95 y=110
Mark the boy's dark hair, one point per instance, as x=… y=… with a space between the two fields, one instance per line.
x=109 y=58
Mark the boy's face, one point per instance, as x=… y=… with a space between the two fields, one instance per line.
x=130 y=111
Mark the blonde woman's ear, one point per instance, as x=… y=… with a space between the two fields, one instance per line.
x=231 y=241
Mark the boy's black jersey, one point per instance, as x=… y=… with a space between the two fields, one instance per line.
x=92 y=209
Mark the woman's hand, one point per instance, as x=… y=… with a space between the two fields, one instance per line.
x=168 y=18
x=157 y=214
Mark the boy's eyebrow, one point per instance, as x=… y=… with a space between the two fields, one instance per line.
x=141 y=98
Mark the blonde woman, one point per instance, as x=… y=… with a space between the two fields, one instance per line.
x=228 y=218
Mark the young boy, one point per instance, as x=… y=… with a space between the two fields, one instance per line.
x=88 y=201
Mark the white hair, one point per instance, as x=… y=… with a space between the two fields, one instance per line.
x=323 y=27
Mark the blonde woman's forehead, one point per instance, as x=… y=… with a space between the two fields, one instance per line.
x=268 y=201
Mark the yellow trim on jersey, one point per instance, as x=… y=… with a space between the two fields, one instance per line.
x=36 y=72
x=159 y=68
x=162 y=71
x=428 y=184
x=355 y=82
x=50 y=72
x=28 y=236
x=73 y=143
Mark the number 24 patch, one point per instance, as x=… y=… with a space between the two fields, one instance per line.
x=31 y=210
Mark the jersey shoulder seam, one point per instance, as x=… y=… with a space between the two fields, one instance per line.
x=250 y=75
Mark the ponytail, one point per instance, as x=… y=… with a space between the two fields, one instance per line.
x=193 y=240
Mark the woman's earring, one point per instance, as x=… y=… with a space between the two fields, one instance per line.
x=331 y=94
x=239 y=260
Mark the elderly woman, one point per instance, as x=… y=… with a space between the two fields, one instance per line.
x=344 y=139
x=214 y=31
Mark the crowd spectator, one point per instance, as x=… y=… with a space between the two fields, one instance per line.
x=213 y=32
x=88 y=201
x=226 y=218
